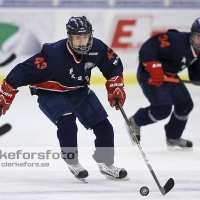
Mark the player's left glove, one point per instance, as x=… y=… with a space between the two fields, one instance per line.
x=115 y=90
x=156 y=73
x=7 y=94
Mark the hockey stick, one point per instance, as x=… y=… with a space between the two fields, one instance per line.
x=170 y=183
x=176 y=80
x=4 y=129
x=8 y=60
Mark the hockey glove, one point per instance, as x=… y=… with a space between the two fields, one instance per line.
x=115 y=90
x=7 y=94
x=156 y=73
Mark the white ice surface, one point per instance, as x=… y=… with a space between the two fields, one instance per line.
x=32 y=131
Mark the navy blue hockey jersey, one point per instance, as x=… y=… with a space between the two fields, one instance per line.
x=56 y=68
x=173 y=50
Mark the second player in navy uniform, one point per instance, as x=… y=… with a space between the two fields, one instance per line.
x=164 y=55
x=60 y=75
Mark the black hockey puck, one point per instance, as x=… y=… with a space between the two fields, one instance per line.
x=144 y=191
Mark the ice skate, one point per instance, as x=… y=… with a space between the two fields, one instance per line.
x=172 y=143
x=112 y=172
x=79 y=172
x=135 y=128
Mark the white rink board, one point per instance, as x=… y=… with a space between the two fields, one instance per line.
x=124 y=30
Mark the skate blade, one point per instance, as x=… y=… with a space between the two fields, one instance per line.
x=117 y=179
x=82 y=180
x=176 y=148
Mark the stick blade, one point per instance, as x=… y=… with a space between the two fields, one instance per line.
x=169 y=185
x=5 y=128
x=8 y=60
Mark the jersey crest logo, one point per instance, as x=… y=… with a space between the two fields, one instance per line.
x=88 y=65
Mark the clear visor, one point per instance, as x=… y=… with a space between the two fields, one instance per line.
x=195 y=41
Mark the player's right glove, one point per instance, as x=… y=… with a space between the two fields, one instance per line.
x=115 y=89
x=7 y=94
x=156 y=73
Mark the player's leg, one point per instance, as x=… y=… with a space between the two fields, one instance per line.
x=149 y=115
x=176 y=125
x=67 y=135
x=93 y=116
x=104 y=142
x=104 y=154
x=160 y=103
x=58 y=109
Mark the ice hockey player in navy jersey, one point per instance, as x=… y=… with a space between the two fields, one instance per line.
x=59 y=75
x=161 y=56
